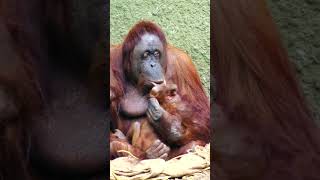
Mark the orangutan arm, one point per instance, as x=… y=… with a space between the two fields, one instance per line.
x=166 y=124
x=171 y=128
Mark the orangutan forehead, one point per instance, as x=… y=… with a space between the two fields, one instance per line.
x=149 y=41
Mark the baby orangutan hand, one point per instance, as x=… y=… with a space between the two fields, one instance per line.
x=157 y=150
x=143 y=136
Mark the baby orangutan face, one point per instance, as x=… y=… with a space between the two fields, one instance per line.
x=165 y=93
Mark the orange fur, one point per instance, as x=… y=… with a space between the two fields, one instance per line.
x=179 y=70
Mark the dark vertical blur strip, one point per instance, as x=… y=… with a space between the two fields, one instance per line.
x=212 y=85
x=107 y=90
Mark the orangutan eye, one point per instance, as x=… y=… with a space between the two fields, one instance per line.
x=156 y=54
x=145 y=54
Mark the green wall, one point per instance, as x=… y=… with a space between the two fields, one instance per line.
x=299 y=24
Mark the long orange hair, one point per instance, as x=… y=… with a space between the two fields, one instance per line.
x=260 y=98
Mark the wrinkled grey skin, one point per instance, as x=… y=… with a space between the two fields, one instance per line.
x=148 y=58
x=154 y=111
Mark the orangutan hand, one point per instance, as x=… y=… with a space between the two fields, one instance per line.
x=158 y=150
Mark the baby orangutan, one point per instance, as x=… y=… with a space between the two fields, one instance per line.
x=143 y=134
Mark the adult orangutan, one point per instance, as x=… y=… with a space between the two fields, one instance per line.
x=145 y=60
x=263 y=128
x=52 y=91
